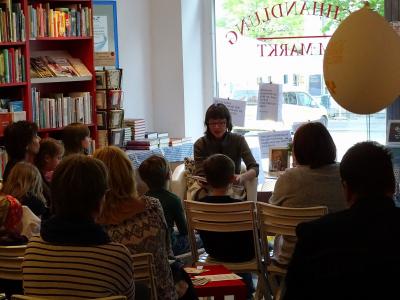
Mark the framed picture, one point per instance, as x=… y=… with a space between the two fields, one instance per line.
x=101 y=99
x=278 y=160
x=105 y=31
x=393 y=133
x=101 y=119
x=115 y=118
x=101 y=83
x=114 y=78
x=114 y=99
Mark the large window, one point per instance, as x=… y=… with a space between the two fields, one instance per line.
x=260 y=41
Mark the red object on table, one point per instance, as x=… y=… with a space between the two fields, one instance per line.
x=218 y=289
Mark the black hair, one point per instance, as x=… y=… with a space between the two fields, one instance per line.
x=219 y=170
x=313 y=145
x=154 y=172
x=17 y=137
x=218 y=111
x=73 y=135
x=78 y=186
x=367 y=170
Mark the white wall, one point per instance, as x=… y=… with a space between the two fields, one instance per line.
x=134 y=39
x=165 y=50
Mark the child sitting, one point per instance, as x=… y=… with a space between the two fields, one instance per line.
x=49 y=156
x=76 y=139
x=155 y=172
x=226 y=246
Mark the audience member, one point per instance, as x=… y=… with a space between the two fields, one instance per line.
x=218 y=138
x=21 y=142
x=155 y=172
x=352 y=254
x=220 y=172
x=25 y=184
x=314 y=181
x=50 y=154
x=75 y=255
x=137 y=222
x=76 y=139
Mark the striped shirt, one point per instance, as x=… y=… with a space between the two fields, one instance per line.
x=77 y=272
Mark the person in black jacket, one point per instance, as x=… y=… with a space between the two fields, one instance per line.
x=355 y=253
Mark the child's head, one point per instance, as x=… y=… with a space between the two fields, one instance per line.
x=155 y=172
x=24 y=179
x=76 y=139
x=50 y=154
x=219 y=170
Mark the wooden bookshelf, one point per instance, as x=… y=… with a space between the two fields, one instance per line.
x=80 y=46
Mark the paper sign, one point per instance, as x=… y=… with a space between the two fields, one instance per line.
x=273 y=139
x=220 y=277
x=237 y=108
x=269 y=104
x=104 y=59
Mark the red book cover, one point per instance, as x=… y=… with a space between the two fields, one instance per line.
x=5 y=119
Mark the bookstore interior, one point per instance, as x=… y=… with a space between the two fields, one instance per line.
x=141 y=85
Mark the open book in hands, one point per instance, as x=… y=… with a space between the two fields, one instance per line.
x=200 y=179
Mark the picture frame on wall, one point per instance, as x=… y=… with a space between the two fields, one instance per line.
x=393 y=133
x=101 y=83
x=113 y=78
x=105 y=29
x=278 y=160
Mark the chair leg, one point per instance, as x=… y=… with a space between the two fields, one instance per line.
x=263 y=290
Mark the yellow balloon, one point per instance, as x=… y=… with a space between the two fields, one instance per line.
x=362 y=63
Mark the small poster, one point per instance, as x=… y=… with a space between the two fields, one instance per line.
x=237 y=108
x=100 y=34
x=273 y=139
x=269 y=104
x=278 y=160
x=393 y=133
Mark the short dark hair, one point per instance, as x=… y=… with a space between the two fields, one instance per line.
x=313 y=145
x=73 y=135
x=154 y=172
x=78 y=186
x=218 y=111
x=50 y=147
x=17 y=136
x=219 y=170
x=368 y=170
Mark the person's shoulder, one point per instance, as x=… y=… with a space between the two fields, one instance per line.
x=200 y=141
x=152 y=204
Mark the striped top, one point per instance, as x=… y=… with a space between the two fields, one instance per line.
x=77 y=272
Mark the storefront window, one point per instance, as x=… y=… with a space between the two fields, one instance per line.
x=283 y=42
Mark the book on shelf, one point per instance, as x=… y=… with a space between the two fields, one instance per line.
x=102 y=137
x=12 y=22
x=15 y=105
x=117 y=136
x=57 y=65
x=101 y=119
x=101 y=99
x=12 y=65
x=115 y=118
x=114 y=99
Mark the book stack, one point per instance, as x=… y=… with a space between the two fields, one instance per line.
x=68 y=21
x=142 y=144
x=179 y=141
x=163 y=139
x=138 y=128
x=127 y=135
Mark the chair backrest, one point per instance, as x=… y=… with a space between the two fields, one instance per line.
x=23 y=297
x=178 y=182
x=228 y=217
x=144 y=272
x=11 y=258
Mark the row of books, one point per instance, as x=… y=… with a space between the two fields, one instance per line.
x=12 y=23
x=59 y=110
x=57 y=66
x=12 y=65
x=110 y=119
x=71 y=20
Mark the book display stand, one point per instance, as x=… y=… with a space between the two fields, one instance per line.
x=110 y=114
x=47 y=62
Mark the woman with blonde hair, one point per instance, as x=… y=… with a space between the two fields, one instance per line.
x=25 y=183
x=137 y=222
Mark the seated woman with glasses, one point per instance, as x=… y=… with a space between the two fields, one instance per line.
x=218 y=139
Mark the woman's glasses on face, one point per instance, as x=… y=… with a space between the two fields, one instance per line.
x=217 y=123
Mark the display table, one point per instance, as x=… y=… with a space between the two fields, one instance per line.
x=218 y=289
